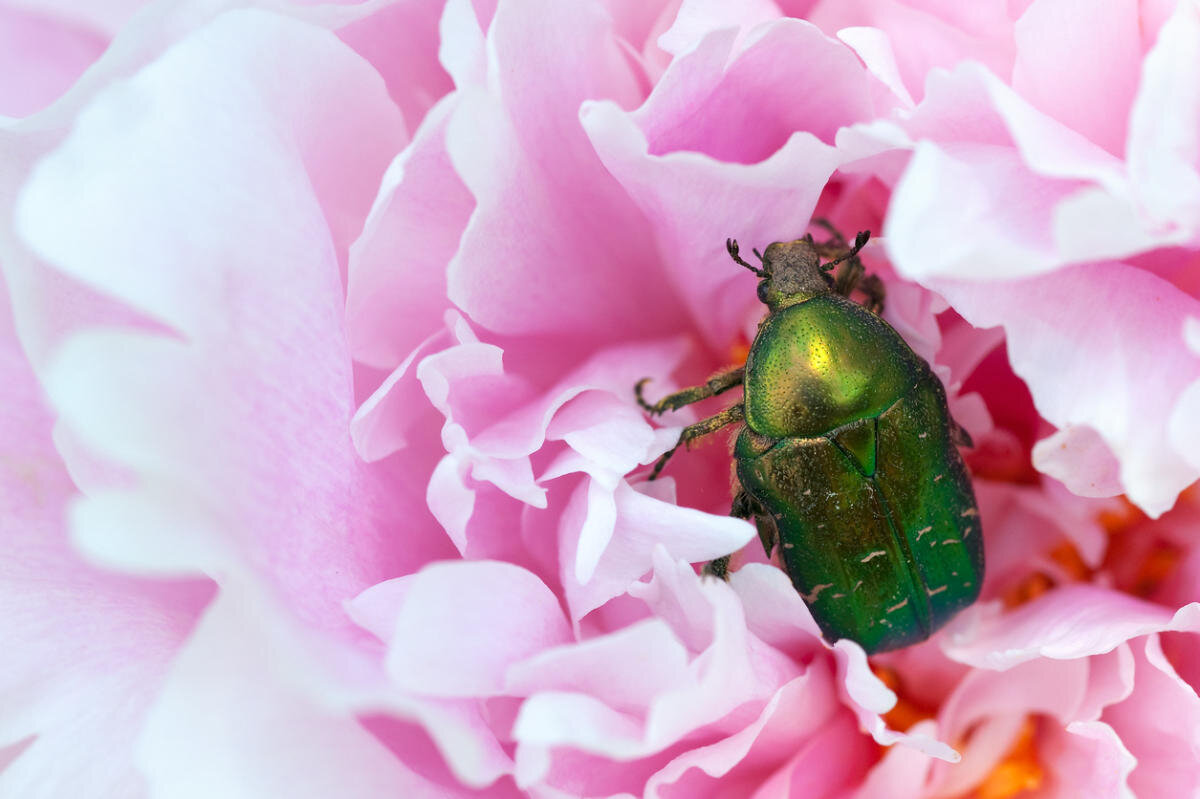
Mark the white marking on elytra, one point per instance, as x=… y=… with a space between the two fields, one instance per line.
x=936 y=591
x=788 y=545
x=807 y=491
x=897 y=606
x=951 y=541
x=923 y=435
x=953 y=574
x=857 y=586
x=969 y=512
x=939 y=477
x=816 y=592
x=876 y=554
x=967 y=531
x=885 y=622
x=923 y=531
x=838 y=596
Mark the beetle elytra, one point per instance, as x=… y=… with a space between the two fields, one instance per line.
x=846 y=457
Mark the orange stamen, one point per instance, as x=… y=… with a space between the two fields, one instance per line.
x=739 y=351
x=1018 y=772
x=1028 y=590
x=905 y=713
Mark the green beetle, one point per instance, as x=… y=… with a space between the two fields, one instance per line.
x=847 y=454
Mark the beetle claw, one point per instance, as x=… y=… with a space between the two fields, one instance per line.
x=641 y=400
x=718 y=568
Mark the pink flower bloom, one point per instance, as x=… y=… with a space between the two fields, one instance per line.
x=322 y=473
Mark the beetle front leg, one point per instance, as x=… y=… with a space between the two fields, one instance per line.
x=730 y=415
x=718 y=567
x=720 y=382
x=742 y=508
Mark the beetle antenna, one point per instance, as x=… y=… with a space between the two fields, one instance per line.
x=731 y=246
x=860 y=241
x=757 y=254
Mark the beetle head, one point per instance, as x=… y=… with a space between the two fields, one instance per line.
x=792 y=271
x=793 y=274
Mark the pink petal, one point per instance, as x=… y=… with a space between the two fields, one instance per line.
x=330 y=192
x=86 y=650
x=489 y=635
x=798 y=78
x=927 y=35
x=401 y=41
x=396 y=293
x=106 y=16
x=692 y=232
x=991 y=144
x=1079 y=64
x=991 y=707
x=47 y=53
x=825 y=766
x=797 y=715
x=775 y=613
x=697 y=18
x=726 y=670
x=1088 y=759
x=869 y=698
x=1069 y=622
x=1164 y=144
x=532 y=142
x=238 y=425
x=626 y=669
x=381 y=425
x=639 y=523
x=901 y=772
x=235 y=693
x=1089 y=369
x=1160 y=725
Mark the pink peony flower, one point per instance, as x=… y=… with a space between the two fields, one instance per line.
x=321 y=471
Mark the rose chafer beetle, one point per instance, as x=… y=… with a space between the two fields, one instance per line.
x=847 y=454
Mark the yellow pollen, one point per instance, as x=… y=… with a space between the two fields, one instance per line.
x=1155 y=568
x=1073 y=569
x=1120 y=518
x=1067 y=556
x=906 y=713
x=1028 y=589
x=1018 y=772
x=739 y=351
x=1139 y=558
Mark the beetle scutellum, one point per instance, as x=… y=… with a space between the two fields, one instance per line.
x=846 y=457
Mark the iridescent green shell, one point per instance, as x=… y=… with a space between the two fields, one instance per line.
x=848 y=452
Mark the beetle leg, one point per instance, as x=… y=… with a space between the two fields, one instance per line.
x=836 y=248
x=960 y=436
x=732 y=414
x=744 y=507
x=768 y=533
x=720 y=382
x=852 y=274
x=835 y=236
x=875 y=291
x=718 y=567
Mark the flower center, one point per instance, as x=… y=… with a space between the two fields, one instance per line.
x=1018 y=772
